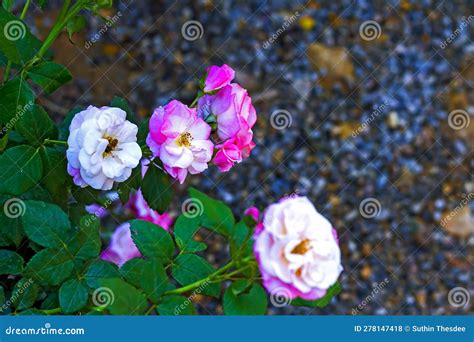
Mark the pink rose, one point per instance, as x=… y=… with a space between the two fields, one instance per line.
x=235 y=116
x=218 y=77
x=254 y=213
x=297 y=250
x=227 y=154
x=142 y=211
x=121 y=248
x=180 y=139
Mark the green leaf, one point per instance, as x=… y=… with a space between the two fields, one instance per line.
x=154 y=280
x=216 y=215
x=75 y=24
x=99 y=270
x=43 y=3
x=121 y=103
x=87 y=243
x=152 y=240
x=11 y=228
x=157 y=189
x=4 y=140
x=64 y=126
x=127 y=300
x=30 y=312
x=242 y=298
x=176 y=305
x=184 y=230
x=46 y=224
x=132 y=271
x=50 y=302
x=334 y=290
x=7 y=4
x=16 y=98
x=10 y=262
x=16 y=41
x=2 y=298
x=20 y=169
x=24 y=294
x=189 y=268
x=35 y=125
x=240 y=242
x=54 y=170
x=73 y=296
x=50 y=266
x=49 y=76
x=132 y=183
x=86 y=195
x=143 y=130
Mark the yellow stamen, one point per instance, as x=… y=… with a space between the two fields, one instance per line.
x=113 y=142
x=185 y=139
x=302 y=247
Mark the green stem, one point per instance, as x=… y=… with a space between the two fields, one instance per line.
x=150 y=310
x=195 y=101
x=199 y=282
x=63 y=18
x=8 y=68
x=210 y=277
x=52 y=311
x=25 y=9
x=229 y=275
x=59 y=142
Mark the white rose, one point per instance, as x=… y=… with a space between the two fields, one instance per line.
x=102 y=147
x=297 y=249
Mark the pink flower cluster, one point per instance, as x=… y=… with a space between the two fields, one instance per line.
x=218 y=131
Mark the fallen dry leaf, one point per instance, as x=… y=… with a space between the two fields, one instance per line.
x=336 y=62
x=459 y=223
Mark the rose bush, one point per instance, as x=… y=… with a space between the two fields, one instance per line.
x=86 y=203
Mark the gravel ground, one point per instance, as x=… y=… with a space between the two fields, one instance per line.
x=402 y=85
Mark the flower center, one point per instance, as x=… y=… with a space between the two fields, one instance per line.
x=113 y=142
x=185 y=139
x=302 y=247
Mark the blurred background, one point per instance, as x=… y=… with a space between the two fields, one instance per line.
x=366 y=107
